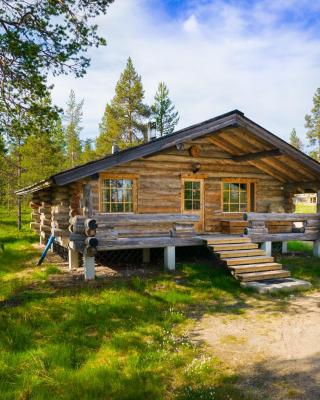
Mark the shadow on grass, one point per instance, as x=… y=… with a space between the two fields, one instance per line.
x=283 y=379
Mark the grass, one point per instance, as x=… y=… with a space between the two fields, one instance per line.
x=305 y=208
x=114 y=339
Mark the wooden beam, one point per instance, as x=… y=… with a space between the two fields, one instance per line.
x=257 y=155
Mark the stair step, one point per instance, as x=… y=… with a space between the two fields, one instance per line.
x=260 y=276
x=241 y=253
x=248 y=260
x=236 y=246
x=228 y=240
x=239 y=269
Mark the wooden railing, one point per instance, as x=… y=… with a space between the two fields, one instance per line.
x=101 y=229
x=258 y=226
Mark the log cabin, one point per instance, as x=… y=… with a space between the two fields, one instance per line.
x=225 y=183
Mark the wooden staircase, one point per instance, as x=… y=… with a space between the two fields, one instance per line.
x=245 y=260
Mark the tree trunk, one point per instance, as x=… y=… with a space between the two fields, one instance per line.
x=19 y=197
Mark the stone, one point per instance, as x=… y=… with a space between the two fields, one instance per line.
x=278 y=285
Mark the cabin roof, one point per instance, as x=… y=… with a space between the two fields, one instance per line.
x=233 y=132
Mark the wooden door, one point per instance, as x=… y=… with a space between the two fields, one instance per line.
x=192 y=200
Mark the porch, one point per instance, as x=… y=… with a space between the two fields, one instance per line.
x=106 y=232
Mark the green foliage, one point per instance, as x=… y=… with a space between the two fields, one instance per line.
x=163 y=111
x=313 y=125
x=295 y=141
x=124 y=120
x=38 y=37
x=88 y=153
x=73 y=117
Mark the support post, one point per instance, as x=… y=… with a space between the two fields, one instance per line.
x=170 y=258
x=267 y=247
x=73 y=257
x=146 y=256
x=316 y=243
x=89 y=267
x=316 y=248
x=284 y=247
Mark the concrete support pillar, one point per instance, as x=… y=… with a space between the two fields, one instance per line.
x=89 y=267
x=267 y=247
x=146 y=256
x=284 y=247
x=316 y=248
x=170 y=258
x=73 y=257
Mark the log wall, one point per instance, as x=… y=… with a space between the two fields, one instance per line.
x=159 y=187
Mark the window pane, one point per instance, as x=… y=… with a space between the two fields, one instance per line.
x=243 y=207
x=226 y=207
x=188 y=194
x=196 y=205
x=188 y=185
x=243 y=187
x=226 y=186
x=196 y=194
x=234 y=207
x=234 y=186
x=226 y=197
x=234 y=197
x=188 y=204
x=117 y=195
x=196 y=185
x=243 y=197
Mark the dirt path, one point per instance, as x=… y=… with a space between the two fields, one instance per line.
x=276 y=354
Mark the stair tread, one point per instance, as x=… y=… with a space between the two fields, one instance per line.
x=234 y=246
x=257 y=268
x=263 y=275
x=241 y=253
x=243 y=266
x=248 y=260
x=229 y=240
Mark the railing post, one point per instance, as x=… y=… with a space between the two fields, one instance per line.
x=170 y=258
x=267 y=247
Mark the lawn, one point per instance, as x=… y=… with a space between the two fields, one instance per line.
x=116 y=338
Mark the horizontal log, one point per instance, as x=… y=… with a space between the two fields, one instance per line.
x=138 y=219
x=60 y=232
x=284 y=237
x=154 y=242
x=76 y=237
x=255 y=231
x=279 y=217
x=257 y=155
x=35 y=226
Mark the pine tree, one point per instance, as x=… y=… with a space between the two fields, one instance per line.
x=295 y=141
x=124 y=120
x=163 y=111
x=109 y=133
x=73 y=118
x=88 y=153
x=48 y=158
x=313 y=126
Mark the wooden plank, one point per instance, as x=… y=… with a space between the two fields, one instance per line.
x=279 y=217
x=257 y=155
x=138 y=219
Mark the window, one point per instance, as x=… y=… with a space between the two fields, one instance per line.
x=192 y=195
x=238 y=196
x=117 y=195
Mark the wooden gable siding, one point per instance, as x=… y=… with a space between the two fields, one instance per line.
x=159 y=181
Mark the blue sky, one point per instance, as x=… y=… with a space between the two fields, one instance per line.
x=262 y=57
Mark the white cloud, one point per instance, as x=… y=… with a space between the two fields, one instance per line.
x=191 y=24
x=217 y=58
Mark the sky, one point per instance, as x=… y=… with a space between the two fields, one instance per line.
x=261 y=57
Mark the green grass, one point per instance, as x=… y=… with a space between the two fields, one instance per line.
x=305 y=208
x=113 y=339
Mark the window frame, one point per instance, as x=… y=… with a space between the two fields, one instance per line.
x=200 y=210
x=133 y=178
x=251 y=205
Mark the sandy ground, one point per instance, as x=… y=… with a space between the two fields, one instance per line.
x=274 y=349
